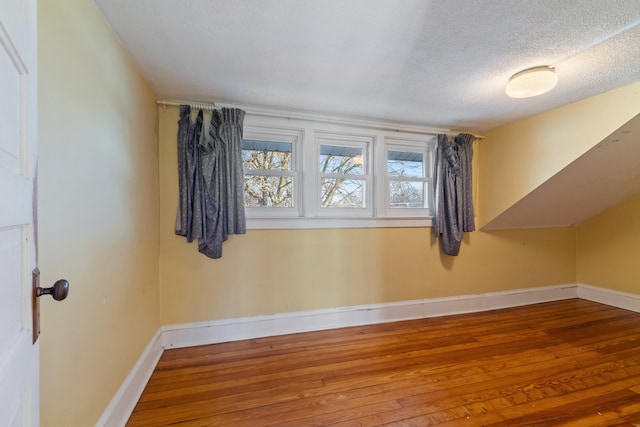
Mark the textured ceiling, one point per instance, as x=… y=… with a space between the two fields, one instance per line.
x=441 y=63
x=437 y=63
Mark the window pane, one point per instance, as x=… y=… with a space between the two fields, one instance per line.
x=342 y=193
x=406 y=194
x=266 y=155
x=400 y=163
x=268 y=191
x=335 y=159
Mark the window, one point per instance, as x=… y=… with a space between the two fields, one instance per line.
x=268 y=181
x=344 y=175
x=270 y=172
x=303 y=172
x=408 y=186
x=406 y=171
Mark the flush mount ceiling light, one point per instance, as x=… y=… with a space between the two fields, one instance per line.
x=532 y=82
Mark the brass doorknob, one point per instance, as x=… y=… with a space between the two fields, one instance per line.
x=58 y=291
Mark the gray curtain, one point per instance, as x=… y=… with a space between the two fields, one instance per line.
x=453 y=191
x=211 y=179
x=189 y=222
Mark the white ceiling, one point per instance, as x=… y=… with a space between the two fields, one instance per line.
x=438 y=63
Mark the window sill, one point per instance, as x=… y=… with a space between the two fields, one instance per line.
x=312 y=223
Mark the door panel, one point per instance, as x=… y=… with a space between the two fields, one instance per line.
x=11 y=302
x=18 y=136
x=10 y=90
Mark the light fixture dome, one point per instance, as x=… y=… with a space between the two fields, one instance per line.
x=532 y=82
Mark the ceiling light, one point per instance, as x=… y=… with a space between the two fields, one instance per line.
x=532 y=82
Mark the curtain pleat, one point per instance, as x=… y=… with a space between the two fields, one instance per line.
x=453 y=191
x=211 y=179
x=189 y=221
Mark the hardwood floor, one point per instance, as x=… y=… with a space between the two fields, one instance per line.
x=569 y=363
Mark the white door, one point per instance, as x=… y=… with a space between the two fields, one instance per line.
x=19 y=365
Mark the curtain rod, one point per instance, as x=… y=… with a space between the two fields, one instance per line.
x=192 y=104
x=456 y=133
x=212 y=106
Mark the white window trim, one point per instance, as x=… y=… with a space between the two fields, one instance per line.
x=322 y=223
x=364 y=142
x=306 y=126
x=294 y=136
x=423 y=147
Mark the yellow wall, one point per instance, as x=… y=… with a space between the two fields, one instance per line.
x=516 y=158
x=275 y=271
x=98 y=202
x=608 y=247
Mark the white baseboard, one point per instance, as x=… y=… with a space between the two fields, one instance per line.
x=217 y=331
x=618 y=299
x=202 y=333
x=124 y=401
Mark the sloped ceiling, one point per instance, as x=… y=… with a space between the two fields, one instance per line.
x=441 y=63
x=604 y=176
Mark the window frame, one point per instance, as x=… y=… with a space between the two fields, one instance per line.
x=424 y=147
x=363 y=142
x=264 y=123
x=286 y=135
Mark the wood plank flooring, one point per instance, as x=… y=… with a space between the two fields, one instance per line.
x=564 y=363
